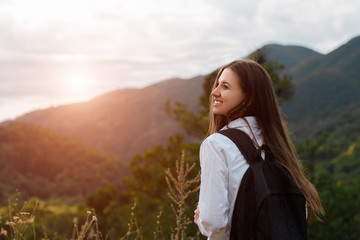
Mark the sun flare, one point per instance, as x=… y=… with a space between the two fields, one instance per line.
x=78 y=86
x=77 y=82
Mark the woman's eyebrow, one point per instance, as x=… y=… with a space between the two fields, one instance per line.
x=224 y=82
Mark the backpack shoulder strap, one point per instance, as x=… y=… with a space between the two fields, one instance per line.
x=242 y=141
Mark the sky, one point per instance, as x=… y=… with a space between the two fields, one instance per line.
x=55 y=52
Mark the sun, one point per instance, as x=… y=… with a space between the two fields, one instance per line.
x=77 y=82
x=78 y=86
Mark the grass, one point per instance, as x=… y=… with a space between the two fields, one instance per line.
x=20 y=225
x=180 y=189
x=19 y=222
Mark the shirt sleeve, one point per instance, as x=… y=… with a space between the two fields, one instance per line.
x=214 y=204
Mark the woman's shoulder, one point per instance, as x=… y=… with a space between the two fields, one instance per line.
x=218 y=150
x=213 y=138
x=216 y=141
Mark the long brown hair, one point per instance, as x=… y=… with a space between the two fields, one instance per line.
x=260 y=102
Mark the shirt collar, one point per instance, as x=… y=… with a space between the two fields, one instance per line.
x=240 y=122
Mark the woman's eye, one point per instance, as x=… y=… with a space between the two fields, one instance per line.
x=225 y=87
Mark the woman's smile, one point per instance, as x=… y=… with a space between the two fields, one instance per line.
x=216 y=101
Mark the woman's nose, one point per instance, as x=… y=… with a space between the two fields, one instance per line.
x=215 y=92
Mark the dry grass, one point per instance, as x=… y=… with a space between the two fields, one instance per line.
x=180 y=189
x=133 y=227
x=21 y=224
x=89 y=230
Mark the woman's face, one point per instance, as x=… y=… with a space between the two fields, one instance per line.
x=228 y=92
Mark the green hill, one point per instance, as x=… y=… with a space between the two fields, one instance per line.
x=288 y=55
x=123 y=122
x=322 y=138
x=326 y=82
x=343 y=124
x=346 y=166
x=39 y=162
x=323 y=82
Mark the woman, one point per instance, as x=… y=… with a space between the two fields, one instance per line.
x=242 y=98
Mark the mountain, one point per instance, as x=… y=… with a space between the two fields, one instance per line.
x=322 y=82
x=40 y=162
x=125 y=121
x=288 y=55
x=325 y=82
x=343 y=124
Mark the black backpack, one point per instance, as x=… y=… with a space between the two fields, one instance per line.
x=269 y=205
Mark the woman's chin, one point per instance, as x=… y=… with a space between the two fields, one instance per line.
x=218 y=113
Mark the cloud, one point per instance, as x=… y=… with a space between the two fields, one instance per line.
x=125 y=43
x=309 y=23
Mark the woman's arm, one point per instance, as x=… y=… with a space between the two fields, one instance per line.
x=213 y=220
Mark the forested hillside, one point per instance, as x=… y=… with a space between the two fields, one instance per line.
x=326 y=82
x=336 y=177
x=123 y=122
x=39 y=162
x=343 y=124
x=288 y=55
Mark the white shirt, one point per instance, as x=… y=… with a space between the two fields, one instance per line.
x=222 y=168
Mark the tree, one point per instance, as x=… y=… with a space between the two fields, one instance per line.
x=337 y=180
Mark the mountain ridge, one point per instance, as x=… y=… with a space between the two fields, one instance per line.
x=337 y=74
x=288 y=55
x=114 y=121
x=125 y=121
